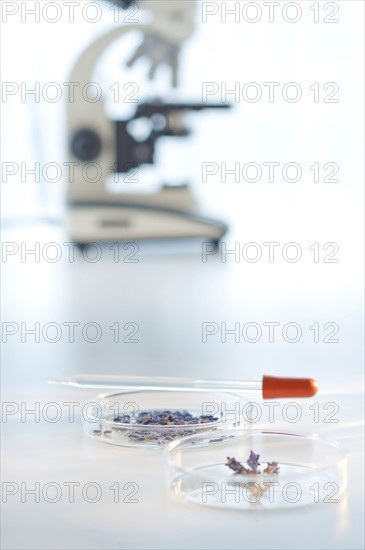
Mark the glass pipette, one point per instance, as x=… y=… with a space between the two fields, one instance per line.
x=270 y=386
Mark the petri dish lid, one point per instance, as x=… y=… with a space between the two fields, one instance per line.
x=151 y=419
x=308 y=470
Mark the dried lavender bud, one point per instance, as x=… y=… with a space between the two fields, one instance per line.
x=272 y=468
x=166 y=418
x=236 y=466
x=253 y=461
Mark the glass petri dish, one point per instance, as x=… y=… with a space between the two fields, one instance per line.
x=311 y=470
x=151 y=419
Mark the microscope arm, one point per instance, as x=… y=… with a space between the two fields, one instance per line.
x=173 y=23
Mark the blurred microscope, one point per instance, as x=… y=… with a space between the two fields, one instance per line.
x=95 y=213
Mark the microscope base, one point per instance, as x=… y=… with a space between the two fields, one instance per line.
x=126 y=222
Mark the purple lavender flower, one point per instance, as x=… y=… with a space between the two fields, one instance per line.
x=253 y=461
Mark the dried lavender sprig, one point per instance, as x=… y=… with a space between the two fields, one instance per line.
x=253 y=462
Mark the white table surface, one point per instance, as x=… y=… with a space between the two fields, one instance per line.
x=169 y=295
x=170 y=292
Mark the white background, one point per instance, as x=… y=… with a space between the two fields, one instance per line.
x=170 y=292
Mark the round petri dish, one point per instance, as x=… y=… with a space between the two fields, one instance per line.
x=219 y=470
x=151 y=419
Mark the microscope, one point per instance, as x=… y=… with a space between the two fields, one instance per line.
x=95 y=141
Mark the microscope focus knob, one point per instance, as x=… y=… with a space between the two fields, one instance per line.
x=86 y=145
